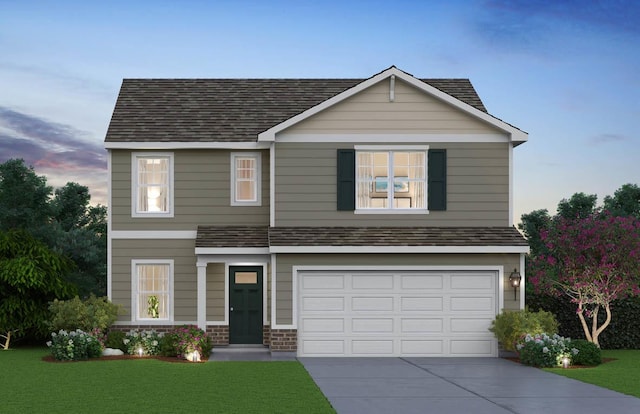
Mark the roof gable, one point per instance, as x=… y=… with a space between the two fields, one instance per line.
x=477 y=111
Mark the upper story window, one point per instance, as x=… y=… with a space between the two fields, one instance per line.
x=152 y=185
x=152 y=288
x=391 y=179
x=246 y=178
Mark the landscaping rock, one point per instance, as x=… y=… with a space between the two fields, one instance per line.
x=111 y=352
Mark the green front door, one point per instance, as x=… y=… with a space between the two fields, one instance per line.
x=245 y=305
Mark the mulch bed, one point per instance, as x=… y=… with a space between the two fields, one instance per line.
x=50 y=358
x=604 y=361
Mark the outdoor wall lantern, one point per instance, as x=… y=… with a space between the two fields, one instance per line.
x=515 y=279
x=140 y=351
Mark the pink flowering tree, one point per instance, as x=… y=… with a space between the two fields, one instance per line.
x=593 y=260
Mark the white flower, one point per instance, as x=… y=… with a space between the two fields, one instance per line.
x=155 y=343
x=53 y=334
x=575 y=351
x=545 y=350
x=49 y=344
x=125 y=341
x=519 y=347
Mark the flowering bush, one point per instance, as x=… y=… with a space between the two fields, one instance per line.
x=74 y=345
x=185 y=340
x=147 y=341
x=543 y=350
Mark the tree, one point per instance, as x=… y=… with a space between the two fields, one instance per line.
x=24 y=197
x=31 y=275
x=593 y=260
x=531 y=226
x=580 y=205
x=625 y=201
x=66 y=222
x=79 y=231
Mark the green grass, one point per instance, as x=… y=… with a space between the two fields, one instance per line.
x=28 y=384
x=620 y=375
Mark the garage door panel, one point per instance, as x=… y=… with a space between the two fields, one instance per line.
x=372 y=281
x=466 y=325
x=321 y=303
x=324 y=347
x=383 y=313
x=323 y=281
x=372 y=347
x=372 y=325
x=413 y=303
x=366 y=304
x=471 y=347
x=473 y=281
x=422 y=348
x=323 y=325
x=470 y=303
x=421 y=325
x=422 y=281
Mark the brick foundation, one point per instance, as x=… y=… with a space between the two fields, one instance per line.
x=284 y=340
x=266 y=335
x=219 y=334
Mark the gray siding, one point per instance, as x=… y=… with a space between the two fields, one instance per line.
x=412 y=111
x=285 y=263
x=477 y=188
x=184 y=278
x=215 y=292
x=202 y=193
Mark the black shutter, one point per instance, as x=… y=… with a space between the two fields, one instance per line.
x=346 y=179
x=437 y=180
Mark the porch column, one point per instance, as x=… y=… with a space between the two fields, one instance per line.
x=202 y=296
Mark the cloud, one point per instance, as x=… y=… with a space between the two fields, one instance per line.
x=603 y=139
x=59 y=151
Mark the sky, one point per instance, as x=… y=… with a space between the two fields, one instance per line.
x=566 y=72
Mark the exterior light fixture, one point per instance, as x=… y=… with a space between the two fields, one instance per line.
x=565 y=362
x=140 y=352
x=514 y=280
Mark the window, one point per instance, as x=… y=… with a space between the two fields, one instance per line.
x=246 y=178
x=391 y=180
x=152 y=289
x=152 y=182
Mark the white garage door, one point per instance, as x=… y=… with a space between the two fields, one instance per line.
x=396 y=313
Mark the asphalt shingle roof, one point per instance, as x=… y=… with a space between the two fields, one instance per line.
x=229 y=110
x=262 y=236
x=232 y=236
x=395 y=236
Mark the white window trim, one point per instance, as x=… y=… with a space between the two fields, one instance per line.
x=395 y=148
x=134 y=289
x=134 y=185
x=257 y=156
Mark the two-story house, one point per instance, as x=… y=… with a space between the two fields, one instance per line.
x=330 y=217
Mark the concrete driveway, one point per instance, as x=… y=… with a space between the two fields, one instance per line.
x=456 y=385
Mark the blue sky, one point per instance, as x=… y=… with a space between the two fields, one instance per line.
x=567 y=72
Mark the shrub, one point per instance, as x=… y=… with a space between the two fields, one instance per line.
x=146 y=341
x=74 y=345
x=92 y=313
x=509 y=326
x=588 y=353
x=115 y=340
x=185 y=340
x=544 y=351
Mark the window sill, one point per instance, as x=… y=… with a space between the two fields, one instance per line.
x=391 y=211
x=152 y=215
x=154 y=321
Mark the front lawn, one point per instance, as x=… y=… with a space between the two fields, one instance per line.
x=620 y=375
x=28 y=384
